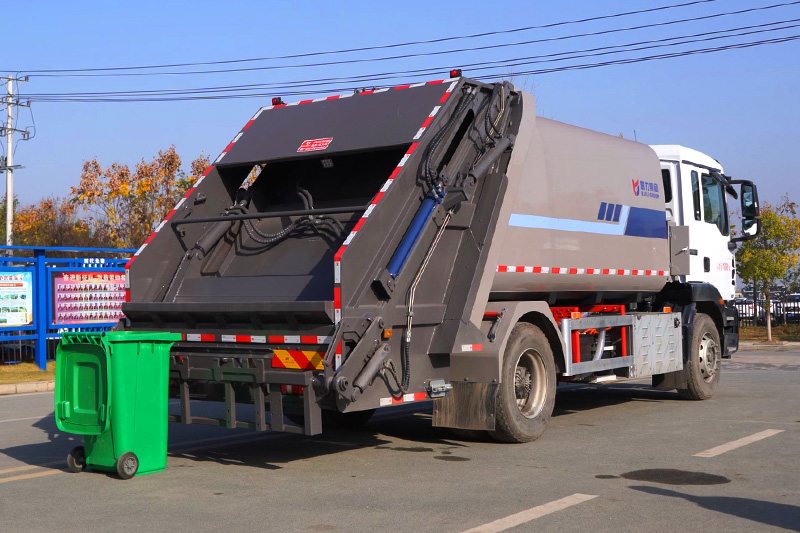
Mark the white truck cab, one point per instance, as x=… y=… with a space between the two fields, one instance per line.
x=697 y=193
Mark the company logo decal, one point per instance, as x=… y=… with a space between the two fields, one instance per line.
x=645 y=188
x=313 y=145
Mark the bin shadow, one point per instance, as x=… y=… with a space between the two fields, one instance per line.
x=56 y=447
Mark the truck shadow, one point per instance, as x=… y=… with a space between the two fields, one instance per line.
x=770 y=513
x=399 y=429
x=578 y=398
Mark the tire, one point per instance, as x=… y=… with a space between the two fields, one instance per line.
x=76 y=459
x=702 y=371
x=127 y=465
x=527 y=392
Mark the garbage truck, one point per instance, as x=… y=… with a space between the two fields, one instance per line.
x=438 y=242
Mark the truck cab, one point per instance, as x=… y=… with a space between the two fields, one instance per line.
x=699 y=196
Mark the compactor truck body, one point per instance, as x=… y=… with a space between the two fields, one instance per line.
x=437 y=241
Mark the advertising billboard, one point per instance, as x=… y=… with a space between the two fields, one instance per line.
x=87 y=297
x=16 y=299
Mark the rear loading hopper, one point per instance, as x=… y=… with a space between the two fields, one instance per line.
x=342 y=253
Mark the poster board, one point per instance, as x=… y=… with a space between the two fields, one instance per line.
x=16 y=299
x=94 y=297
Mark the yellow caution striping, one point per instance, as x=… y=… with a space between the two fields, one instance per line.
x=29 y=467
x=298 y=359
x=30 y=476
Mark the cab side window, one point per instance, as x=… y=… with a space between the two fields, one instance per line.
x=696 y=195
x=714 y=210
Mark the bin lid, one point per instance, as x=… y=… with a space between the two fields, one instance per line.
x=83 y=388
x=141 y=336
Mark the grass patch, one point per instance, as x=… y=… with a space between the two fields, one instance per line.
x=25 y=372
x=789 y=332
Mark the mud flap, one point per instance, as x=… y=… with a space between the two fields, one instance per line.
x=467 y=406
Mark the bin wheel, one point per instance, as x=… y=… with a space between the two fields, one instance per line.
x=76 y=459
x=127 y=465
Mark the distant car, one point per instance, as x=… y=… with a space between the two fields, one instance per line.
x=745 y=307
x=793 y=306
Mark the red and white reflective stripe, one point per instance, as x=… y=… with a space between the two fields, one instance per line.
x=471 y=347
x=297 y=390
x=406 y=398
x=337 y=259
x=199 y=337
x=258 y=339
x=574 y=270
x=348 y=95
x=427 y=122
x=163 y=223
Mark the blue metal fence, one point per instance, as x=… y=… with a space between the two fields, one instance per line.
x=42 y=296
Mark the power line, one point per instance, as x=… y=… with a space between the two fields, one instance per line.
x=382 y=47
x=432 y=53
x=510 y=62
x=481 y=77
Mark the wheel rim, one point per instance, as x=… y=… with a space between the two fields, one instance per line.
x=708 y=357
x=129 y=465
x=530 y=383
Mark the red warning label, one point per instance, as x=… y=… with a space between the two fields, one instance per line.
x=313 y=145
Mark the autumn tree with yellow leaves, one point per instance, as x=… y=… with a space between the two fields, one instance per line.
x=130 y=204
x=54 y=222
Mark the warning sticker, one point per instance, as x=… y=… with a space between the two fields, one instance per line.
x=313 y=145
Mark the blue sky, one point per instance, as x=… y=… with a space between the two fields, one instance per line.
x=741 y=107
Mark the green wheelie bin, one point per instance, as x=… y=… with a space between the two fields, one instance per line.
x=112 y=389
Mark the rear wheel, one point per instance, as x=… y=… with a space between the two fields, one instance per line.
x=76 y=459
x=703 y=368
x=526 y=395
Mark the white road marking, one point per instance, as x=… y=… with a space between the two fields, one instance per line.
x=24 y=419
x=531 y=514
x=713 y=452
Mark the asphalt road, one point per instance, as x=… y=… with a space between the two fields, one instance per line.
x=621 y=457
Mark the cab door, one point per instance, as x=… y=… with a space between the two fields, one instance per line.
x=706 y=214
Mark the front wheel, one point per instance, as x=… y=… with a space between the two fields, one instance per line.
x=127 y=465
x=703 y=368
x=526 y=395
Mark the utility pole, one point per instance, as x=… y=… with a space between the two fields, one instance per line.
x=8 y=164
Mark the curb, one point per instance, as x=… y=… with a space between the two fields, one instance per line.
x=31 y=386
x=761 y=345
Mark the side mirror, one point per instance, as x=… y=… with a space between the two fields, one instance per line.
x=751 y=223
x=749 y=199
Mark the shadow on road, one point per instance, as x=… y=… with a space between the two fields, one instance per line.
x=774 y=514
x=578 y=398
x=56 y=447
